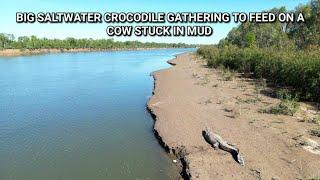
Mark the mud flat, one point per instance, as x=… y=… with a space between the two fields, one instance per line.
x=189 y=97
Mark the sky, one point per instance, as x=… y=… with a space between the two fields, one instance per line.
x=9 y=8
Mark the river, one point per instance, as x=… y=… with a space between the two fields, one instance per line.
x=81 y=116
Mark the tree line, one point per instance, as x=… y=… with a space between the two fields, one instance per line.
x=8 y=41
x=285 y=54
x=280 y=35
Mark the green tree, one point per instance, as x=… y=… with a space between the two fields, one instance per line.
x=250 y=39
x=6 y=40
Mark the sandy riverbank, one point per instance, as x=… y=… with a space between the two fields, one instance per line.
x=26 y=52
x=189 y=97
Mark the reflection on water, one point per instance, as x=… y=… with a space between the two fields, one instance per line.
x=80 y=116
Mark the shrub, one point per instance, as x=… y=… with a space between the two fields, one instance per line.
x=285 y=107
x=299 y=71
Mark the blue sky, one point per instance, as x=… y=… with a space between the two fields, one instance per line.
x=9 y=9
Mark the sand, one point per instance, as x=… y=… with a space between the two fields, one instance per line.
x=188 y=97
x=26 y=52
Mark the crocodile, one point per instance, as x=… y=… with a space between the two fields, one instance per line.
x=217 y=142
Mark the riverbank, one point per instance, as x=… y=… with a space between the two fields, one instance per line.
x=189 y=97
x=26 y=52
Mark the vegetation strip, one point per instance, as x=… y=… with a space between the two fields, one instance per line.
x=285 y=54
x=8 y=41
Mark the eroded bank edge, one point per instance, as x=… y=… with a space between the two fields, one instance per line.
x=183 y=164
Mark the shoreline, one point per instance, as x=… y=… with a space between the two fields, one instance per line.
x=188 y=97
x=181 y=164
x=28 y=52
